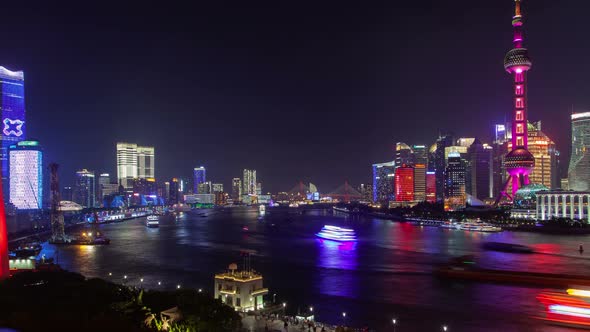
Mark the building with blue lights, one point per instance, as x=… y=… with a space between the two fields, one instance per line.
x=383 y=178
x=85 y=188
x=200 y=176
x=26 y=175
x=12 y=108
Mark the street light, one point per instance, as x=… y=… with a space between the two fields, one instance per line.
x=274 y=297
x=125 y=277
x=141 y=280
x=394 y=321
x=311 y=309
x=159 y=283
x=200 y=290
x=284 y=304
x=177 y=286
x=445 y=328
x=343 y=315
x=110 y=274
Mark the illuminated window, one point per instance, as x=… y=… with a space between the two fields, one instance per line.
x=519 y=116
x=518 y=77
x=519 y=128
x=520 y=141
x=519 y=103
x=518 y=90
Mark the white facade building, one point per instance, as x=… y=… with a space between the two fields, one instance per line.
x=563 y=204
x=134 y=162
x=241 y=290
x=26 y=175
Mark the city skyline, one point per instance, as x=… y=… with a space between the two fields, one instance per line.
x=307 y=98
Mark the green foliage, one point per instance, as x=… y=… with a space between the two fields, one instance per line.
x=65 y=301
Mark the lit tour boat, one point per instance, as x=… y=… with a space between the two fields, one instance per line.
x=335 y=233
x=152 y=221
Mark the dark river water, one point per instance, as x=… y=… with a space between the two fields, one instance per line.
x=387 y=273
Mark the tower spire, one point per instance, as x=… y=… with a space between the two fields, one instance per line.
x=517 y=24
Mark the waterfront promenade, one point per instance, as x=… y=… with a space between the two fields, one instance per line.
x=258 y=323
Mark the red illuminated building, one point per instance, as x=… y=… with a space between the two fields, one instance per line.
x=404 y=184
x=431 y=187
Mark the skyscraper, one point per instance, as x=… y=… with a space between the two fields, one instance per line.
x=454 y=189
x=440 y=163
x=236 y=189
x=216 y=188
x=546 y=155
x=26 y=175
x=104 y=179
x=127 y=164
x=85 y=188
x=430 y=187
x=519 y=162
x=420 y=165
x=404 y=183
x=200 y=176
x=480 y=170
x=383 y=178
x=579 y=169
x=174 y=192
x=249 y=182
x=12 y=106
x=146 y=168
x=403 y=155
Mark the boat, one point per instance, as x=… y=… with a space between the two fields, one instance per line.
x=570 y=308
x=344 y=209
x=86 y=238
x=508 y=247
x=335 y=233
x=464 y=268
x=152 y=221
x=450 y=225
x=26 y=250
x=479 y=227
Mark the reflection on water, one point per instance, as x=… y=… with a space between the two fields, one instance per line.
x=388 y=270
x=333 y=259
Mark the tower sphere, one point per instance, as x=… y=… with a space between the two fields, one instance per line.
x=517 y=58
x=519 y=159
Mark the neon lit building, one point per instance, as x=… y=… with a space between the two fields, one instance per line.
x=431 y=187
x=249 y=182
x=383 y=178
x=26 y=175
x=200 y=176
x=579 y=169
x=519 y=162
x=420 y=165
x=404 y=155
x=12 y=106
x=546 y=157
x=404 y=184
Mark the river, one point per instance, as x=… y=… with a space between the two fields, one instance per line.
x=386 y=274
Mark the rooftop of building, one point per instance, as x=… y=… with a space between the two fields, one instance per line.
x=241 y=276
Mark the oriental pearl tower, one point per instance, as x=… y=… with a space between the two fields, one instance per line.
x=519 y=162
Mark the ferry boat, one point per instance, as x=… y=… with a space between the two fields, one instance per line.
x=508 y=247
x=479 y=227
x=26 y=250
x=336 y=233
x=86 y=238
x=152 y=221
x=464 y=268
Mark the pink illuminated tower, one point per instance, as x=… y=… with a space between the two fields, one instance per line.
x=519 y=162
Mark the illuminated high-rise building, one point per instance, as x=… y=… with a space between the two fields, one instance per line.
x=236 y=189
x=519 y=162
x=26 y=175
x=200 y=176
x=420 y=167
x=205 y=188
x=454 y=191
x=480 y=175
x=579 y=168
x=216 y=188
x=403 y=155
x=127 y=164
x=12 y=108
x=546 y=157
x=249 y=182
x=431 y=187
x=146 y=168
x=383 y=178
x=85 y=188
x=439 y=161
x=404 y=183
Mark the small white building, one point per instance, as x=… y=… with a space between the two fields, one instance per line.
x=241 y=290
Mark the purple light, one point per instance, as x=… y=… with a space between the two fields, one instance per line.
x=335 y=233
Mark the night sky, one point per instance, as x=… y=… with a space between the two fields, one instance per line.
x=312 y=91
